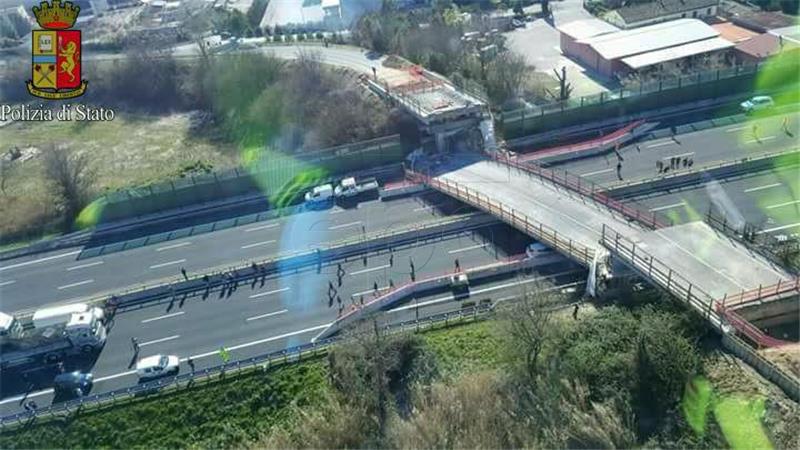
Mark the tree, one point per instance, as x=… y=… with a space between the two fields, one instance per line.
x=526 y=323
x=564 y=88
x=72 y=178
x=505 y=77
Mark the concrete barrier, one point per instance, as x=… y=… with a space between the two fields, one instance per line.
x=432 y=283
x=788 y=383
x=699 y=175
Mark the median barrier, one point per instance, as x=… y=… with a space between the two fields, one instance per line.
x=692 y=177
x=176 y=286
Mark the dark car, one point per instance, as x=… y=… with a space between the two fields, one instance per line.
x=73 y=384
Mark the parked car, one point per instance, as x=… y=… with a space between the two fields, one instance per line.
x=157 y=366
x=73 y=384
x=757 y=103
x=518 y=23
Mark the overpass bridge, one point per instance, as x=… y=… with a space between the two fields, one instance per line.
x=705 y=269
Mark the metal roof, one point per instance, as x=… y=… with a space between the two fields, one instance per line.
x=583 y=29
x=673 y=53
x=650 y=38
x=651 y=10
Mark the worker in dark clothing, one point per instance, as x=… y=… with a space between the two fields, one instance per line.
x=575 y=312
x=183 y=272
x=619 y=170
x=458 y=265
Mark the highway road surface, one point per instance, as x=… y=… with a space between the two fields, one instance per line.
x=64 y=275
x=768 y=199
x=704 y=147
x=292 y=309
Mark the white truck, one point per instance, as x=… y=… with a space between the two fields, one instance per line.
x=348 y=187
x=50 y=336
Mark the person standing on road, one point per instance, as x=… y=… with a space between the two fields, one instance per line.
x=458 y=265
x=619 y=171
x=391 y=257
x=190 y=361
x=135 y=345
x=755 y=132
x=183 y=272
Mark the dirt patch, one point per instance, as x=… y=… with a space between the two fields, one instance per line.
x=786 y=357
x=731 y=376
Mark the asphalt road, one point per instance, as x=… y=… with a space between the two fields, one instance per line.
x=705 y=147
x=292 y=309
x=64 y=275
x=770 y=200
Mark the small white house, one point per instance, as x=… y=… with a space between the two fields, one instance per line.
x=641 y=14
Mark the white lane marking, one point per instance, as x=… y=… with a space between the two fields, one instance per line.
x=263 y=341
x=263 y=316
x=27 y=263
x=158 y=341
x=337 y=211
x=761 y=188
x=380 y=289
x=170 y=247
x=765 y=138
x=257 y=244
x=6 y=283
x=447 y=298
x=782 y=227
x=262 y=227
x=780 y=205
x=661 y=144
x=170 y=263
x=731 y=130
x=466 y=249
x=596 y=172
x=79 y=283
x=264 y=294
x=166 y=316
x=83 y=266
x=674 y=205
x=371 y=269
x=337 y=227
x=682 y=155
x=195 y=357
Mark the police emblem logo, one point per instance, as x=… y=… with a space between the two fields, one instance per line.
x=56 y=65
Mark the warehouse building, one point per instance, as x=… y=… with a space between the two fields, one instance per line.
x=643 y=14
x=615 y=53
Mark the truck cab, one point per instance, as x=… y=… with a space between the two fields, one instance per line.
x=319 y=195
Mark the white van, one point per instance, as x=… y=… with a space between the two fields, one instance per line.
x=320 y=194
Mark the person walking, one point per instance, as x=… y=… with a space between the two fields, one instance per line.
x=391 y=258
x=190 y=361
x=183 y=272
x=619 y=171
x=135 y=345
x=659 y=166
x=375 y=286
x=458 y=265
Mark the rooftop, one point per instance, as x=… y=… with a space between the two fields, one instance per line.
x=646 y=11
x=765 y=45
x=673 y=53
x=790 y=33
x=650 y=38
x=733 y=32
x=584 y=29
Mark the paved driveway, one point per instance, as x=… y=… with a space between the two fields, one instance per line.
x=539 y=42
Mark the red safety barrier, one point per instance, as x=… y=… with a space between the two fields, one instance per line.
x=749 y=330
x=591 y=144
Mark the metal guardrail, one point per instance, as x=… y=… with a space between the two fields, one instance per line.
x=588 y=190
x=761 y=293
x=664 y=277
x=171 y=287
x=766 y=244
x=286 y=356
x=579 y=252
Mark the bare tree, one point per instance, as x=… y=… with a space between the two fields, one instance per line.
x=505 y=77
x=71 y=176
x=526 y=322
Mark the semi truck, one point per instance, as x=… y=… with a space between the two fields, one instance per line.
x=50 y=336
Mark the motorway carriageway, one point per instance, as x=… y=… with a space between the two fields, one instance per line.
x=705 y=147
x=62 y=276
x=769 y=199
x=292 y=309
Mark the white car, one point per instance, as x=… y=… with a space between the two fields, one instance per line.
x=157 y=366
x=536 y=248
x=757 y=103
x=319 y=194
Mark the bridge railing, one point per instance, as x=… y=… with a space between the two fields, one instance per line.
x=780 y=289
x=575 y=250
x=660 y=274
x=752 y=332
x=589 y=190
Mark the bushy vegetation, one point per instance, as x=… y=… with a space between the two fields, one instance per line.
x=611 y=377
